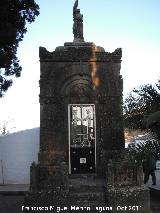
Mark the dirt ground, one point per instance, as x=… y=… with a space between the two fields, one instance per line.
x=155 y=204
x=13 y=204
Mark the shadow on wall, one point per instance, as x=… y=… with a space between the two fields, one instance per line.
x=17 y=151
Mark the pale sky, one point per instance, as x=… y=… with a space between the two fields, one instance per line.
x=132 y=25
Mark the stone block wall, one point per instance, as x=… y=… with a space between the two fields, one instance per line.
x=80 y=73
x=125 y=190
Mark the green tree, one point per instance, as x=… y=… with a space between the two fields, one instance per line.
x=142 y=109
x=138 y=151
x=6 y=126
x=14 y=15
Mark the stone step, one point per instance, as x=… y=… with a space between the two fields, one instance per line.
x=88 y=196
x=86 y=184
x=86 y=188
x=88 y=206
x=84 y=176
x=89 y=203
x=88 y=191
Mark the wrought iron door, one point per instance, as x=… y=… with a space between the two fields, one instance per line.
x=82 y=137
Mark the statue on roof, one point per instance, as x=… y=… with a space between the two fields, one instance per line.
x=78 y=23
x=75 y=5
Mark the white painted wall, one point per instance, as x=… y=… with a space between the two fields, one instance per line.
x=1 y=176
x=17 y=152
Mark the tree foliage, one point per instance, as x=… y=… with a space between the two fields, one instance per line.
x=142 y=109
x=14 y=15
x=138 y=151
x=6 y=126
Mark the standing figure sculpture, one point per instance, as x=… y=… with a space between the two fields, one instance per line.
x=78 y=24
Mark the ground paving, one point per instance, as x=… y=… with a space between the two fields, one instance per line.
x=12 y=196
x=157 y=186
x=14 y=203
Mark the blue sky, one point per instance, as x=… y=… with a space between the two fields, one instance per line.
x=132 y=25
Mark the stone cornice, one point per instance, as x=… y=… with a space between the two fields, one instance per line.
x=79 y=53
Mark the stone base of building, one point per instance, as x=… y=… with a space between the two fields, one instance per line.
x=121 y=190
x=45 y=201
x=84 y=193
x=125 y=190
x=123 y=200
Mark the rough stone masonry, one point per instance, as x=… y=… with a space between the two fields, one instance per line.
x=83 y=166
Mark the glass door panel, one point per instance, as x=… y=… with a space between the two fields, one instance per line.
x=82 y=137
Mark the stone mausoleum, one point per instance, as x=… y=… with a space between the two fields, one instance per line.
x=82 y=162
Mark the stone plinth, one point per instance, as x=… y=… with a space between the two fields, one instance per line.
x=125 y=190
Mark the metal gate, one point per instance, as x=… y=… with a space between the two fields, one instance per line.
x=82 y=138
